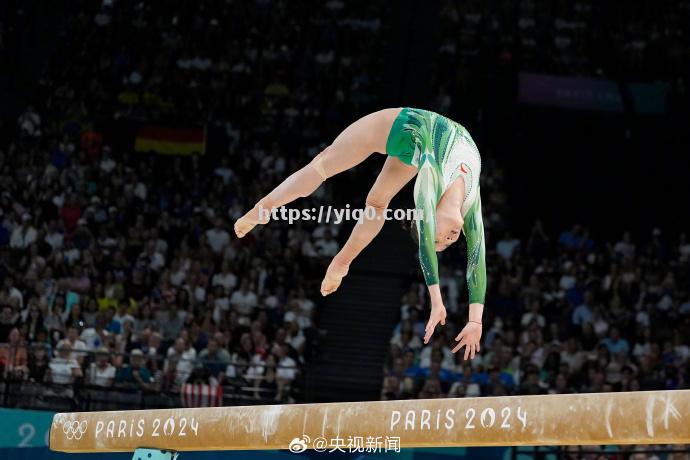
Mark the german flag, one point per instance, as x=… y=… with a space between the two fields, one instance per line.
x=170 y=141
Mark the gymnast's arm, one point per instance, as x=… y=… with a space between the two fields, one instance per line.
x=427 y=192
x=473 y=229
x=471 y=334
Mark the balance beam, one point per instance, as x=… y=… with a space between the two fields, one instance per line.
x=655 y=417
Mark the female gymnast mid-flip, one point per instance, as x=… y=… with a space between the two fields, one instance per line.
x=447 y=164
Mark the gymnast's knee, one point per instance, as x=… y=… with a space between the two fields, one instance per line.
x=376 y=202
x=317 y=164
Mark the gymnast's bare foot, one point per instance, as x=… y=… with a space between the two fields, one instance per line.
x=334 y=276
x=246 y=223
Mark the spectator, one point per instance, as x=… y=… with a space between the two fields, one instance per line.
x=571 y=355
x=244 y=300
x=24 y=235
x=293 y=337
x=54 y=235
x=214 y=359
x=411 y=302
x=136 y=374
x=562 y=385
x=63 y=368
x=171 y=322
x=73 y=343
x=30 y=123
x=225 y=278
x=218 y=238
x=266 y=387
x=615 y=343
x=14 y=356
x=286 y=372
x=7 y=323
x=583 y=312
x=10 y=295
x=123 y=314
x=326 y=247
x=391 y=388
x=533 y=315
x=436 y=347
x=179 y=361
x=466 y=386
x=38 y=363
x=224 y=171
x=532 y=385
x=431 y=389
x=436 y=372
x=125 y=340
x=507 y=246
x=306 y=305
x=74 y=317
x=625 y=247
x=101 y=372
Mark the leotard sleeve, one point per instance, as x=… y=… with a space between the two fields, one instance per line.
x=427 y=192
x=476 y=252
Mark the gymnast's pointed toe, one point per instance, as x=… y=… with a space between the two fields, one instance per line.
x=243 y=226
x=331 y=281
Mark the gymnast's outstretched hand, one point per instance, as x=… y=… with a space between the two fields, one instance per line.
x=469 y=338
x=438 y=315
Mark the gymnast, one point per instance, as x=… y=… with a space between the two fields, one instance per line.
x=446 y=161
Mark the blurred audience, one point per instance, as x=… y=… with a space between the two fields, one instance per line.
x=587 y=318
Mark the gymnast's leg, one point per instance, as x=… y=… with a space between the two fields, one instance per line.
x=393 y=177
x=351 y=147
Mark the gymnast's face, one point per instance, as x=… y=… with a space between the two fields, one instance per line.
x=448 y=226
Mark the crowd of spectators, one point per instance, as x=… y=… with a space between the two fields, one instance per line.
x=563 y=314
x=121 y=269
x=586 y=38
x=213 y=60
x=485 y=44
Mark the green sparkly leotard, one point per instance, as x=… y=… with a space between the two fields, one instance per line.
x=442 y=150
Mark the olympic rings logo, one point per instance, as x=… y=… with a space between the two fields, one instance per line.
x=74 y=429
